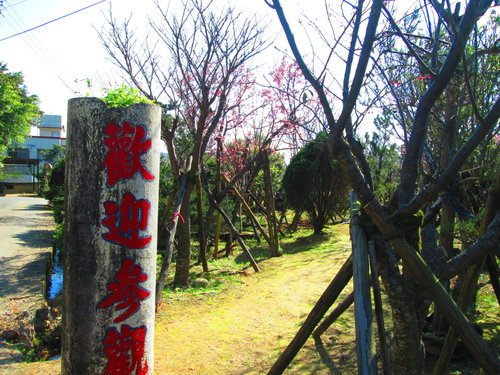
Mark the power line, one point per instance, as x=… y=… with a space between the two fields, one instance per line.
x=40 y=50
x=11 y=5
x=55 y=19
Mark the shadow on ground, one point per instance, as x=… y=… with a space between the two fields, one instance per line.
x=35 y=207
x=36 y=238
x=25 y=279
x=301 y=244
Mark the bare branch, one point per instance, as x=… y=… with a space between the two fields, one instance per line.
x=315 y=83
x=482 y=246
x=413 y=155
x=431 y=191
x=406 y=41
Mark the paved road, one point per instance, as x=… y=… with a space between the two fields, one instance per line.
x=26 y=229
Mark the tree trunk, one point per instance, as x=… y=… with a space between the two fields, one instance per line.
x=172 y=230
x=218 y=218
x=182 y=266
x=218 y=222
x=202 y=236
x=470 y=279
x=433 y=289
x=295 y=221
x=168 y=208
x=228 y=249
x=406 y=352
x=274 y=246
x=447 y=225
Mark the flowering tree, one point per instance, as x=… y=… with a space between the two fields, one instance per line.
x=195 y=65
x=288 y=99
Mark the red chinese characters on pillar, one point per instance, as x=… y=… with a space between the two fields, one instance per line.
x=126 y=220
x=126 y=144
x=125 y=351
x=125 y=291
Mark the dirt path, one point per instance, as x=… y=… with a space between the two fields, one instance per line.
x=243 y=330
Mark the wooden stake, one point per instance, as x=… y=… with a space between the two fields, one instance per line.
x=325 y=301
x=334 y=315
x=232 y=228
x=249 y=211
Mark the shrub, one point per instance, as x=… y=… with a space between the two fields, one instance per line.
x=315 y=183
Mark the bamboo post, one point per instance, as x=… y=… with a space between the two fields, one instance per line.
x=110 y=237
x=362 y=303
x=379 y=313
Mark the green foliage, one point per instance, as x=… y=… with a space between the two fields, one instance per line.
x=315 y=183
x=59 y=236
x=383 y=158
x=167 y=183
x=165 y=196
x=54 y=192
x=467 y=230
x=123 y=97
x=277 y=166
x=50 y=156
x=54 y=154
x=18 y=109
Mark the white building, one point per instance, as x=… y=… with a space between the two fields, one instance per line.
x=26 y=161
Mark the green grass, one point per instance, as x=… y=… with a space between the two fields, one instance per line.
x=227 y=271
x=488 y=312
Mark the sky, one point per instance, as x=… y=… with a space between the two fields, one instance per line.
x=58 y=58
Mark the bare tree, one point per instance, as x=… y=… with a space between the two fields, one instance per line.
x=444 y=63
x=197 y=60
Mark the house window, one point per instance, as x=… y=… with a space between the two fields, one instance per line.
x=55 y=134
x=19 y=153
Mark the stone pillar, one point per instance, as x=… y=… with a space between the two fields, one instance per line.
x=110 y=236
